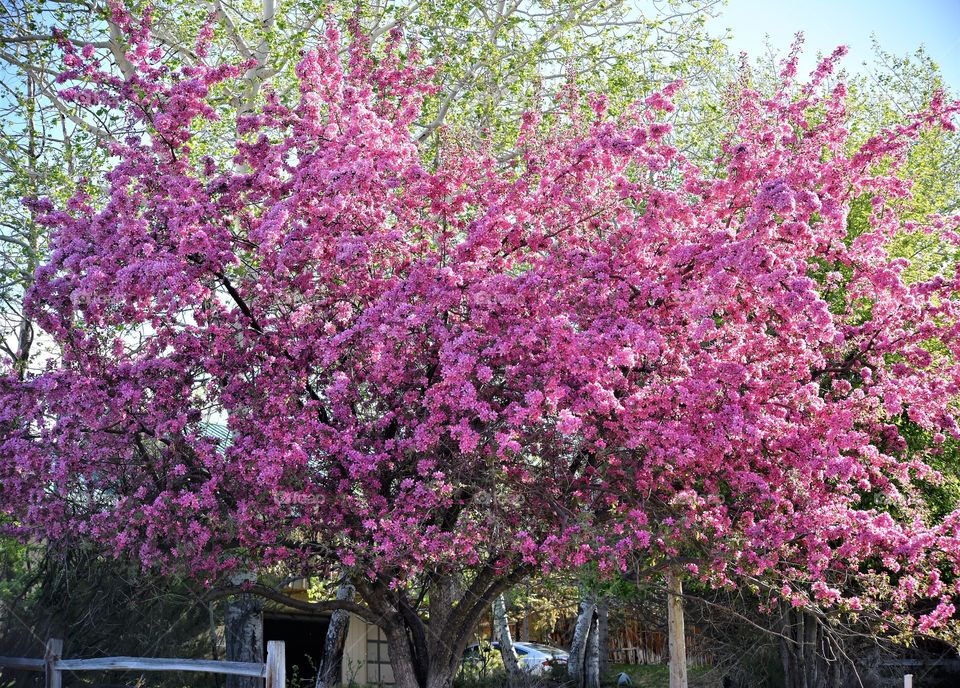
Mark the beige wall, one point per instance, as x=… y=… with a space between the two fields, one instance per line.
x=365 y=660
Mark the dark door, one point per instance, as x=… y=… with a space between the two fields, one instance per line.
x=303 y=638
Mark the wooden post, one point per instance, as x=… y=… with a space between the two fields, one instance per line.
x=675 y=632
x=52 y=654
x=276 y=664
x=908 y=681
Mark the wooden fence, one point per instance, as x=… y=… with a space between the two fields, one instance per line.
x=632 y=643
x=53 y=665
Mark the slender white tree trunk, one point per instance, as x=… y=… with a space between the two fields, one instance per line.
x=331 y=666
x=675 y=631
x=243 y=628
x=591 y=668
x=501 y=629
x=578 y=664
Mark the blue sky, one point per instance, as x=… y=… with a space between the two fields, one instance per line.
x=901 y=26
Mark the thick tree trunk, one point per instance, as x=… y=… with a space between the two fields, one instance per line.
x=401 y=658
x=501 y=630
x=676 y=634
x=428 y=655
x=331 y=664
x=243 y=631
x=603 y=635
x=440 y=678
x=577 y=663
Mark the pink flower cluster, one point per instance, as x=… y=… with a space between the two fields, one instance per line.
x=600 y=352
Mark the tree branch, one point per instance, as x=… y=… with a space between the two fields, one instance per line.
x=269 y=593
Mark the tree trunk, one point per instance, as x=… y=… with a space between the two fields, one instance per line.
x=440 y=678
x=331 y=664
x=786 y=659
x=813 y=661
x=675 y=631
x=525 y=631
x=401 y=658
x=792 y=650
x=501 y=630
x=243 y=631
x=427 y=655
x=214 y=652
x=808 y=654
x=603 y=635
x=576 y=665
x=591 y=669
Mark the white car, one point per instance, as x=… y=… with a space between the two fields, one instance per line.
x=533 y=658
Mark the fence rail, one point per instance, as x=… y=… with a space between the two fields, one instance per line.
x=158 y=664
x=273 y=671
x=25 y=663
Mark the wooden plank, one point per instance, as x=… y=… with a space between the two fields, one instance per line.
x=276 y=664
x=254 y=669
x=52 y=654
x=26 y=663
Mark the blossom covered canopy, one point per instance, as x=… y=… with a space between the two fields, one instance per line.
x=594 y=351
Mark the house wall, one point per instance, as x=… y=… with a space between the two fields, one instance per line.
x=365 y=658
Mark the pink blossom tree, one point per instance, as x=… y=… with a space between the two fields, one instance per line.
x=442 y=377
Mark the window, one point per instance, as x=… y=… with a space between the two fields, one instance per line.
x=379 y=671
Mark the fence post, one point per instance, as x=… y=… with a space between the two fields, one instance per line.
x=53 y=653
x=908 y=681
x=276 y=665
